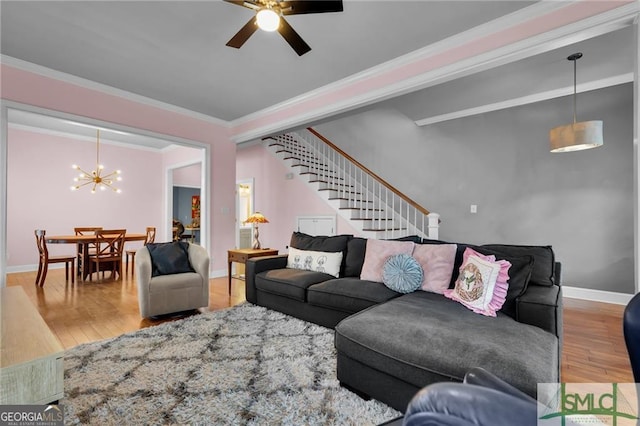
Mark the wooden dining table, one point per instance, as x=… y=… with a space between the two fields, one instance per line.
x=84 y=241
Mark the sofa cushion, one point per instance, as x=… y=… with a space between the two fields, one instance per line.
x=543 y=266
x=413 y=238
x=402 y=273
x=447 y=339
x=292 y=283
x=377 y=253
x=349 y=294
x=356 y=249
x=169 y=258
x=335 y=243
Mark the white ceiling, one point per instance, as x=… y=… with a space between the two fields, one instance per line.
x=174 y=52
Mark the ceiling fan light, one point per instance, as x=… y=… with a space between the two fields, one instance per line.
x=268 y=20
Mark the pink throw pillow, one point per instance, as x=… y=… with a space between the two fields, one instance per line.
x=378 y=251
x=437 y=263
x=482 y=283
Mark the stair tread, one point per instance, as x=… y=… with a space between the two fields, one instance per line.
x=321 y=170
x=349 y=199
x=340 y=190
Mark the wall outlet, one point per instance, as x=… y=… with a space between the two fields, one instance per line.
x=474 y=208
x=288 y=176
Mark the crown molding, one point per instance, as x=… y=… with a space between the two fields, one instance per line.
x=75 y=136
x=512 y=19
x=109 y=90
x=529 y=99
x=583 y=29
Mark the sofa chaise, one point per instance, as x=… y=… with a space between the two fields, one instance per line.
x=392 y=343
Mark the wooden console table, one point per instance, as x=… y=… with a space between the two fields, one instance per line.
x=31 y=356
x=241 y=256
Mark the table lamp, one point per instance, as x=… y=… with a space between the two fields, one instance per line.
x=256 y=218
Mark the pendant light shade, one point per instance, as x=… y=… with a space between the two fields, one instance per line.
x=577 y=135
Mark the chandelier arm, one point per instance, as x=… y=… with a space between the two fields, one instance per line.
x=82 y=171
x=84 y=184
x=110 y=175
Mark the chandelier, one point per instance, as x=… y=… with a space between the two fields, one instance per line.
x=96 y=177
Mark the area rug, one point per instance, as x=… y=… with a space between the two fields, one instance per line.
x=245 y=365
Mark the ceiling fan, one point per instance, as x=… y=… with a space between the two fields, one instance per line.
x=270 y=17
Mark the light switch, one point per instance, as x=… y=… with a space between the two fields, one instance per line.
x=474 y=208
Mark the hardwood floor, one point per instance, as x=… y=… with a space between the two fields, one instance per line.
x=593 y=347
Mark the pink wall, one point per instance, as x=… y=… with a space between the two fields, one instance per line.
x=33 y=89
x=280 y=200
x=189 y=176
x=39 y=176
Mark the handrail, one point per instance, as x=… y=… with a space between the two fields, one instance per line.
x=372 y=174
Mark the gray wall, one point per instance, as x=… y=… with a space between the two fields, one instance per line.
x=580 y=202
x=182 y=203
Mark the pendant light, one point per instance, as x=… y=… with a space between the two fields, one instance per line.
x=577 y=135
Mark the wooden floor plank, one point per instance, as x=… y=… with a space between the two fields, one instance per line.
x=593 y=350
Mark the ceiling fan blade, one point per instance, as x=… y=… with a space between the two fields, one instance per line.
x=299 y=7
x=243 y=35
x=293 y=38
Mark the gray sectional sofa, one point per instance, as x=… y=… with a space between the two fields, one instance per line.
x=390 y=345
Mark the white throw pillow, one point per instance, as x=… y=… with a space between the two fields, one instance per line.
x=319 y=261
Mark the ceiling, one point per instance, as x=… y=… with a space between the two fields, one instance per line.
x=174 y=52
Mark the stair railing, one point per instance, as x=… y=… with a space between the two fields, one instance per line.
x=389 y=212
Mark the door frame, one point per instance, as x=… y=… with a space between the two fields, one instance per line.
x=6 y=105
x=251 y=183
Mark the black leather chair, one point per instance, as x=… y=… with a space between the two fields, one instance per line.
x=482 y=399
x=631 y=328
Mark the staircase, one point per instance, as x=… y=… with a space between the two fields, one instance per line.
x=372 y=206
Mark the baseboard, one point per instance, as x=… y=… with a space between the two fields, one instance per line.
x=218 y=273
x=31 y=268
x=596 y=295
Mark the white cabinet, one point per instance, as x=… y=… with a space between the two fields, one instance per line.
x=317 y=225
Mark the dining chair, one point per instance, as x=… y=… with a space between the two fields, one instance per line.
x=150 y=237
x=91 y=247
x=45 y=260
x=108 y=256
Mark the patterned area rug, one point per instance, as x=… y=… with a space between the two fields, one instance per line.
x=245 y=365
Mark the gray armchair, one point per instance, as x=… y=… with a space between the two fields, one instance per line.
x=164 y=294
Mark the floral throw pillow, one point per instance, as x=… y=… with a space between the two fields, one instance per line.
x=482 y=283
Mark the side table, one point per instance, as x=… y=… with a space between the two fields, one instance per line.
x=241 y=256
